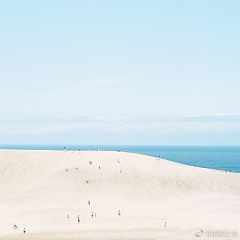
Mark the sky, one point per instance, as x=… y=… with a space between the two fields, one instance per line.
x=120 y=72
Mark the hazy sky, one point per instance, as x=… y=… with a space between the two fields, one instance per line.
x=120 y=72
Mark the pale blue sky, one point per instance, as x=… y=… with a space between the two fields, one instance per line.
x=120 y=72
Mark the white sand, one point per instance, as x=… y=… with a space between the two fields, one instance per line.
x=37 y=194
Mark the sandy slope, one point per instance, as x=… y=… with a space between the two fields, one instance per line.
x=37 y=193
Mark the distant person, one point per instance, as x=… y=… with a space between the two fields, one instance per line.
x=79 y=149
x=99 y=168
x=78 y=219
x=165 y=224
x=89 y=202
x=119 y=213
x=230 y=171
x=24 y=230
x=120 y=170
x=92 y=214
x=67 y=216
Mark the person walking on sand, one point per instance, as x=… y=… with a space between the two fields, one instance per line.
x=119 y=213
x=165 y=224
x=67 y=216
x=89 y=202
x=78 y=219
x=24 y=230
x=92 y=214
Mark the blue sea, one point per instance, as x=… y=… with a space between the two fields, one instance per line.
x=214 y=157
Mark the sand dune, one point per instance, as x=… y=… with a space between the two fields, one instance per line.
x=37 y=193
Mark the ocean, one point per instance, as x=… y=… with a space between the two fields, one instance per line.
x=214 y=157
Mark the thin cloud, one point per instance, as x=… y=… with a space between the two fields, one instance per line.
x=101 y=81
x=215 y=117
x=36 y=94
x=72 y=88
x=119 y=125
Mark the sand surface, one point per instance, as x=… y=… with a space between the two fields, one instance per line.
x=37 y=193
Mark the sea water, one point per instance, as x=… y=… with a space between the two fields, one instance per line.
x=215 y=157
